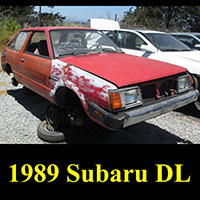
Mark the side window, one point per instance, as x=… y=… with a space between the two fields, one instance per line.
x=38 y=44
x=18 y=41
x=120 y=39
x=188 y=40
x=129 y=40
x=111 y=35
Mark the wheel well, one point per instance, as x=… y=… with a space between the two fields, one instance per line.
x=65 y=96
x=8 y=69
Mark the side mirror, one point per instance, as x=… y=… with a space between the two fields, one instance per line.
x=146 y=48
x=197 y=46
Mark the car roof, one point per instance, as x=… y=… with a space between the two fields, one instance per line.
x=149 y=31
x=48 y=28
x=185 y=33
x=140 y=31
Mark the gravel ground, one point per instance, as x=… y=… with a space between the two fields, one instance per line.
x=20 y=115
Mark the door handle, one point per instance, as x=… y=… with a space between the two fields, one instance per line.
x=22 y=59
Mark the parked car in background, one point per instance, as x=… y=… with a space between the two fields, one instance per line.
x=192 y=40
x=86 y=76
x=155 y=45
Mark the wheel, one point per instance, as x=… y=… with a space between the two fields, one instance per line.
x=45 y=132
x=62 y=123
x=56 y=117
x=197 y=104
x=52 y=116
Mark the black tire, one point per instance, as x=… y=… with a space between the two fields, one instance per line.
x=48 y=135
x=197 y=104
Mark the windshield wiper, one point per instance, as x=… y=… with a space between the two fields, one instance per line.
x=69 y=53
x=184 y=50
x=175 y=49
x=170 y=49
x=111 y=50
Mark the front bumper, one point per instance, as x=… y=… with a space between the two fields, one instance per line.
x=138 y=114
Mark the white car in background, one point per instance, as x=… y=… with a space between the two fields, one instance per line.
x=152 y=44
x=192 y=40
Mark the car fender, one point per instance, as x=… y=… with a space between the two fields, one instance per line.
x=88 y=87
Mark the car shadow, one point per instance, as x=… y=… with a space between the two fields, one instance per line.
x=142 y=133
x=32 y=102
x=190 y=110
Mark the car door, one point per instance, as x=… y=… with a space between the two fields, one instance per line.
x=35 y=64
x=130 y=43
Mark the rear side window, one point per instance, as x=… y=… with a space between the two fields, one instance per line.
x=18 y=41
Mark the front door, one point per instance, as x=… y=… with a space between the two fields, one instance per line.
x=130 y=43
x=35 y=65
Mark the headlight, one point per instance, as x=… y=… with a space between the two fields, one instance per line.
x=124 y=98
x=183 y=83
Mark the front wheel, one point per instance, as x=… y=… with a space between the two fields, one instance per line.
x=62 y=123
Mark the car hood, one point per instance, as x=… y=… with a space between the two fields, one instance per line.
x=122 y=69
x=191 y=55
x=187 y=59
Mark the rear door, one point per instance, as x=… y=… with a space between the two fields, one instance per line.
x=35 y=64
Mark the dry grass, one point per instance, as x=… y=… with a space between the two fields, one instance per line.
x=3 y=92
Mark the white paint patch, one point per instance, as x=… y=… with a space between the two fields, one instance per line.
x=87 y=86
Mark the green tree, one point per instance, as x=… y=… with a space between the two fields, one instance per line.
x=9 y=26
x=26 y=15
x=49 y=19
x=164 y=18
x=20 y=13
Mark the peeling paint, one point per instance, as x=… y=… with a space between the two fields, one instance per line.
x=87 y=86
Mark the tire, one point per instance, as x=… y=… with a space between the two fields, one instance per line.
x=197 y=104
x=48 y=135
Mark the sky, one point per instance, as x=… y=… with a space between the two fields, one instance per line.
x=83 y=13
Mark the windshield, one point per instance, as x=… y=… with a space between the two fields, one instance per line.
x=77 y=41
x=165 y=42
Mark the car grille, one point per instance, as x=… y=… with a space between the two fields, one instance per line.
x=159 y=89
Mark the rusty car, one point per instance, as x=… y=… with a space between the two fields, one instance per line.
x=87 y=78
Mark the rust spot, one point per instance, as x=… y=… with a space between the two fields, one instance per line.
x=66 y=66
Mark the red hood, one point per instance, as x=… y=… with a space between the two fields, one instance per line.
x=122 y=69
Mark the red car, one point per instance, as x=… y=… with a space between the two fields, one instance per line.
x=87 y=77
